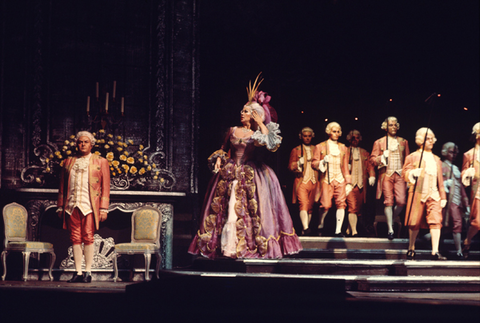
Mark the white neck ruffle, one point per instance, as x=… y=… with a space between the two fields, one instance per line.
x=81 y=164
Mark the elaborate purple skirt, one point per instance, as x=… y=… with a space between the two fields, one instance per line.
x=245 y=216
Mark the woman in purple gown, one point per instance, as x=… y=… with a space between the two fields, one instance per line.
x=244 y=213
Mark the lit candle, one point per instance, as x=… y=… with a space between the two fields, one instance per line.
x=106 y=103
x=122 y=106
x=114 y=89
x=88 y=105
x=96 y=90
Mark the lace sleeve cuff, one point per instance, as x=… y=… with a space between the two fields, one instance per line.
x=213 y=159
x=271 y=140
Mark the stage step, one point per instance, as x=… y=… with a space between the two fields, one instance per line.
x=381 y=267
x=374 y=248
x=359 y=283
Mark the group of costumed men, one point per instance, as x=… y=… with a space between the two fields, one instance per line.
x=436 y=190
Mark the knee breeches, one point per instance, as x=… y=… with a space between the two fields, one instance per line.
x=81 y=227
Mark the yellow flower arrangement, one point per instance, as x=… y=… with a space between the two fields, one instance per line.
x=127 y=161
x=131 y=167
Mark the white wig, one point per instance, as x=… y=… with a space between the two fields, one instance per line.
x=306 y=129
x=420 y=135
x=446 y=146
x=329 y=127
x=257 y=108
x=476 y=129
x=354 y=132
x=85 y=134
x=385 y=123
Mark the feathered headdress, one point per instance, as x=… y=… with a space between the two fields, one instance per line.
x=261 y=98
x=252 y=90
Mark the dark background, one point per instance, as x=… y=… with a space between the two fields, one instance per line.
x=183 y=66
x=341 y=60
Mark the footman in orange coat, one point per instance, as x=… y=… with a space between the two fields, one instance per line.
x=83 y=200
x=471 y=177
x=388 y=154
x=306 y=185
x=426 y=193
x=330 y=158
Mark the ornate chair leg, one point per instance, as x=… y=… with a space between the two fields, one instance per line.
x=147 y=265
x=4 y=261
x=26 y=260
x=52 y=261
x=115 y=268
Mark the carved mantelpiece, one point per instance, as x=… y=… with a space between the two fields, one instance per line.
x=38 y=201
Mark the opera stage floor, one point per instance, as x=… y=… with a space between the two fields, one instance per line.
x=332 y=280
x=179 y=296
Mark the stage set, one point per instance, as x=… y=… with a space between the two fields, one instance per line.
x=159 y=83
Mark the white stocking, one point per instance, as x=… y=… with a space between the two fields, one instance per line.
x=305 y=218
x=412 y=236
x=88 y=251
x=352 y=220
x=389 y=215
x=78 y=257
x=340 y=216
x=435 y=240
x=322 y=219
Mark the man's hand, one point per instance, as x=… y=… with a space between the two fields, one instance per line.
x=103 y=215
x=414 y=174
x=470 y=172
x=384 y=157
x=468 y=175
x=348 y=189
x=446 y=184
x=443 y=203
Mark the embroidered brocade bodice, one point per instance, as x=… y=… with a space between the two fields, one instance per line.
x=241 y=148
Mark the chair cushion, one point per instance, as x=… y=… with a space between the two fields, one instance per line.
x=140 y=247
x=15 y=226
x=146 y=224
x=22 y=245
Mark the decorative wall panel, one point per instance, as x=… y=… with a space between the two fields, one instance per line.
x=73 y=57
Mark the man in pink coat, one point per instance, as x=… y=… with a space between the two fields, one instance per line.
x=330 y=158
x=306 y=183
x=426 y=193
x=471 y=177
x=388 y=154
x=361 y=172
x=83 y=200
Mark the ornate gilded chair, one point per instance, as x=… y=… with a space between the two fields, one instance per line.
x=146 y=223
x=15 y=219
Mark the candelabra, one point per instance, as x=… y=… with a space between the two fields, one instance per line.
x=132 y=165
x=105 y=114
